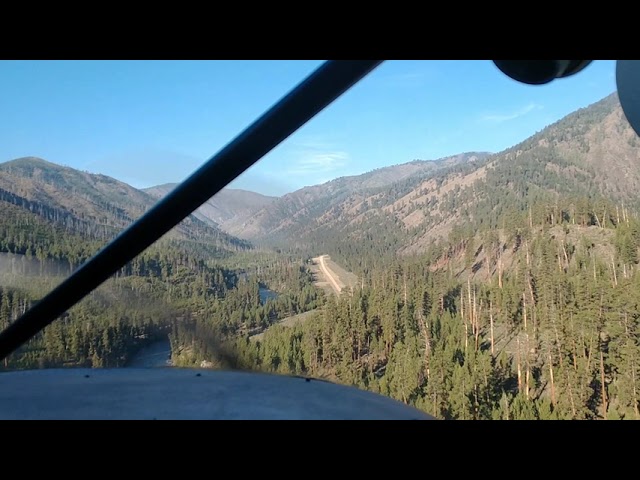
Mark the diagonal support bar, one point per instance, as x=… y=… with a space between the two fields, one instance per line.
x=311 y=96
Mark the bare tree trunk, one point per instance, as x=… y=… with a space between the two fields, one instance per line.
x=478 y=326
x=533 y=307
x=635 y=393
x=404 y=278
x=471 y=312
x=491 y=320
x=469 y=296
x=573 y=405
x=524 y=310
x=597 y=220
x=518 y=365
x=560 y=263
x=474 y=319
x=553 y=389
x=555 y=330
x=626 y=216
x=564 y=250
x=464 y=320
x=466 y=336
x=500 y=270
x=530 y=219
x=526 y=345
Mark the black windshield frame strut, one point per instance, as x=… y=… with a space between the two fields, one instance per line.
x=307 y=99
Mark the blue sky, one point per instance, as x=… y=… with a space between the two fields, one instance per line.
x=153 y=122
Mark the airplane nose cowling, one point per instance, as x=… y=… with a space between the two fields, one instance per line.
x=187 y=394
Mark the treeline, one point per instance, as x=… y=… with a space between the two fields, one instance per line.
x=212 y=334
x=169 y=280
x=373 y=244
x=549 y=172
x=554 y=336
x=95 y=333
x=163 y=289
x=22 y=232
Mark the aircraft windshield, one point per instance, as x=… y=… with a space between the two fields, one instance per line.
x=440 y=234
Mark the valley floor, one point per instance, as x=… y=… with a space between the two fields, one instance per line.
x=330 y=276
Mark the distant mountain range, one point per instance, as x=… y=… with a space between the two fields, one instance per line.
x=309 y=205
x=591 y=152
x=224 y=209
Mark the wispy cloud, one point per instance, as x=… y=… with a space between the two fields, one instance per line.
x=505 y=117
x=312 y=144
x=316 y=141
x=315 y=163
x=314 y=155
x=406 y=79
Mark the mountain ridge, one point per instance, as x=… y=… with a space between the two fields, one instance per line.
x=591 y=153
x=403 y=207
x=223 y=207
x=310 y=202
x=94 y=205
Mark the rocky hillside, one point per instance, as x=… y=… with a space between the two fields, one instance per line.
x=592 y=154
x=340 y=200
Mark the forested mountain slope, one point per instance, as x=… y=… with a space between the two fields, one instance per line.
x=82 y=205
x=299 y=214
x=590 y=157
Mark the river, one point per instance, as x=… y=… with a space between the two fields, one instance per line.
x=154 y=355
x=158 y=354
x=266 y=294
